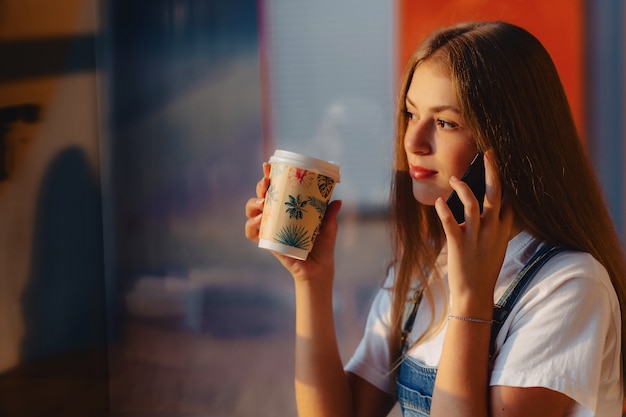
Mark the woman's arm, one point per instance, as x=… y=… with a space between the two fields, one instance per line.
x=462 y=382
x=476 y=251
x=378 y=402
x=322 y=386
x=462 y=386
x=533 y=401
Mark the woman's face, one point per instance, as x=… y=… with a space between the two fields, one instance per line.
x=437 y=143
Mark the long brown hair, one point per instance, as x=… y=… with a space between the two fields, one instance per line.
x=513 y=102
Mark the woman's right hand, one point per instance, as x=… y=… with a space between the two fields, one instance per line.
x=320 y=262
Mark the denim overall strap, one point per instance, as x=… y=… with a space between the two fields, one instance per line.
x=503 y=307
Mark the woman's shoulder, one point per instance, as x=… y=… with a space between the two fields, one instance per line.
x=581 y=272
x=569 y=271
x=566 y=264
x=576 y=276
x=578 y=261
x=572 y=264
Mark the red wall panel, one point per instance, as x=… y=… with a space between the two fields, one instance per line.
x=558 y=24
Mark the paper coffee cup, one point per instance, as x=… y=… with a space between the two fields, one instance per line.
x=296 y=200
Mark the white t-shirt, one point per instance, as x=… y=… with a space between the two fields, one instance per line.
x=564 y=333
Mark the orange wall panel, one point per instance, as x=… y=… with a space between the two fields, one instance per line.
x=558 y=24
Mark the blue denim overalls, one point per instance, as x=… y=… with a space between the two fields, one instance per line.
x=416 y=382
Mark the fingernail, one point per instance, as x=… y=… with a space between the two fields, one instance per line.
x=453 y=178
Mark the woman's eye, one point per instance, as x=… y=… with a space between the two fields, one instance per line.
x=444 y=124
x=410 y=116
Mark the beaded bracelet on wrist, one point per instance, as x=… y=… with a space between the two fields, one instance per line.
x=470 y=319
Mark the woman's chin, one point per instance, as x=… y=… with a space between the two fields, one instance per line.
x=426 y=198
x=424 y=201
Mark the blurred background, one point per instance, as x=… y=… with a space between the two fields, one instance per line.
x=131 y=134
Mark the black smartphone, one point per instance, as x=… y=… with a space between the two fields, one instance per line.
x=475 y=178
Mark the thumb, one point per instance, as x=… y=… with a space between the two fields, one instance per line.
x=329 y=224
x=324 y=245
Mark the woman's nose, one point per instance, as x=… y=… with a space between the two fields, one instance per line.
x=418 y=138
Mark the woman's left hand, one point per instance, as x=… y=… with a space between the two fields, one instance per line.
x=476 y=248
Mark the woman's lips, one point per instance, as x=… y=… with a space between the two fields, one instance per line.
x=420 y=173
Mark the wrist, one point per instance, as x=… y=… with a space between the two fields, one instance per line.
x=470 y=319
x=314 y=284
x=474 y=310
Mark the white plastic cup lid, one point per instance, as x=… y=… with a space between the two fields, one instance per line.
x=329 y=169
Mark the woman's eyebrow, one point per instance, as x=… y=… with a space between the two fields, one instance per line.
x=438 y=109
x=435 y=109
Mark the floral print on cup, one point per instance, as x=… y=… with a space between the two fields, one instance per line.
x=295 y=205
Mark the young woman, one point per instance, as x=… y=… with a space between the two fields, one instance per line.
x=543 y=249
